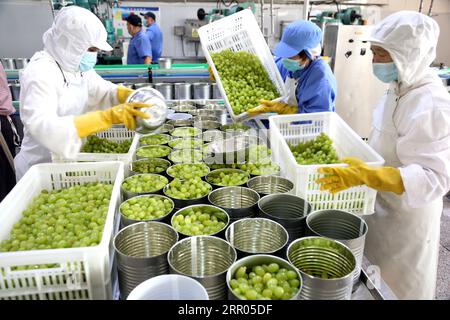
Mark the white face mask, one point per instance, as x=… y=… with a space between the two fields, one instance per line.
x=88 y=61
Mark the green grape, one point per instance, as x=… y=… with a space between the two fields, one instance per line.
x=154 y=139
x=188 y=170
x=144 y=183
x=186 y=143
x=153 y=151
x=96 y=144
x=319 y=150
x=151 y=165
x=244 y=79
x=186 y=156
x=227 y=177
x=66 y=218
x=187 y=189
x=184 y=132
x=148 y=207
x=199 y=220
x=265 y=282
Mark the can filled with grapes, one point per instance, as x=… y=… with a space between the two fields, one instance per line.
x=238 y=202
x=327 y=267
x=153 y=151
x=141 y=251
x=200 y=220
x=150 y=207
x=187 y=192
x=227 y=178
x=149 y=165
x=144 y=183
x=288 y=210
x=206 y=259
x=265 y=277
x=251 y=236
x=344 y=227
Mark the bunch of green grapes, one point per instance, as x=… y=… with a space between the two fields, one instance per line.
x=188 y=189
x=244 y=79
x=66 y=218
x=259 y=154
x=96 y=144
x=154 y=139
x=144 y=183
x=265 y=282
x=199 y=221
x=185 y=132
x=152 y=165
x=319 y=150
x=186 y=156
x=186 y=143
x=153 y=151
x=227 y=178
x=148 y=207
x=188 y=170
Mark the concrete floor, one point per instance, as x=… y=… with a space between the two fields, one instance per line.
x=443 y=277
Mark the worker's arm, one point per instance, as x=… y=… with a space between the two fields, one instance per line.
x=48 y=124
x=102 y=93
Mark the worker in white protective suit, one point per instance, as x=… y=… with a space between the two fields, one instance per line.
x=411 y=130
x=60 y=90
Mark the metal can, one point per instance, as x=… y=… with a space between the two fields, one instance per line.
x=126 y=221
x=266 y=185
x=201 y=90
x=238 y=202
x=206 y=259
x=288 y=210
x=326 y=266
x=141 y=251
x=344 y=227
x=257 y=236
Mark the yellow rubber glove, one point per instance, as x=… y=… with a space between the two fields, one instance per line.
x=359 y=173
x=272 y=106
x=123 y=93
x=96 y=121
x=211 y=74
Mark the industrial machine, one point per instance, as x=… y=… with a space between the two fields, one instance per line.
x=348 y=16
x=219 y=12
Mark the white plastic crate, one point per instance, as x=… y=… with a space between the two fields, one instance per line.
x=239 y=32
x=79 y=273
x=297 y=128
x=117 y=133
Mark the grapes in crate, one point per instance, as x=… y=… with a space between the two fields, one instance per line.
x=265 y=282
x=66 y=218
x=244 y=79
x=319 y=150
x=96 y=144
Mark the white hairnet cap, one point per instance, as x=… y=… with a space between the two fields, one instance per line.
x=74 y=30
x=411 y=39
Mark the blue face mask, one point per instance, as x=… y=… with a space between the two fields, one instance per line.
x=292 y=65
x=386 y=72
x=145 y=24
x=88 y=61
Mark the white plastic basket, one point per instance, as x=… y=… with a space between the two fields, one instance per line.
x=80 y=273
x=239 y=32
x=116 y=134
x=300 y=127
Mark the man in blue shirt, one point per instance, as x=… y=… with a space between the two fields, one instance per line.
x=310 y=82
x=139 y=49
x=155 y=36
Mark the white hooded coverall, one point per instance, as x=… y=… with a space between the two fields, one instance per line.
x=411 y=130
x=50 y=97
